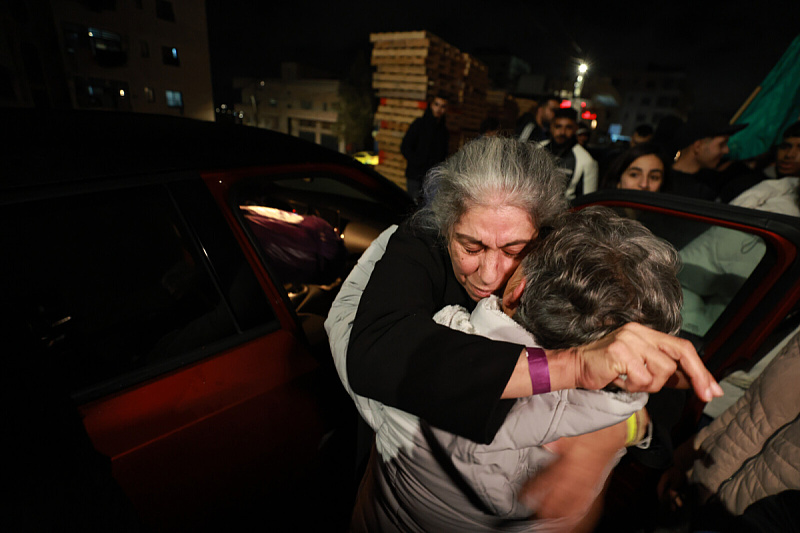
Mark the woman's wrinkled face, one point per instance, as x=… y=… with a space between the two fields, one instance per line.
x=487 y=245
x=646 y=173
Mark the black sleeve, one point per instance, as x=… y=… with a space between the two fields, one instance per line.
x=399 y=356
x=410 y=143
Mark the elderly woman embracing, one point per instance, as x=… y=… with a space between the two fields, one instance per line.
x=485 y=206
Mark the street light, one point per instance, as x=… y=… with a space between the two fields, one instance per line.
x=583 y=68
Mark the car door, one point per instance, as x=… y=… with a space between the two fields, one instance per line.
x=188 y=369
x=734 y=308
x=741 y=282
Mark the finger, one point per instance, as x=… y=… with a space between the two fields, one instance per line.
x=703 y=383
x=661 y=368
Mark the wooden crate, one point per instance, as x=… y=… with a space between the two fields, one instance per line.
x=410 y=69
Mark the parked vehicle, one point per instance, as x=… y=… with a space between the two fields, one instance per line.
x=174 y=275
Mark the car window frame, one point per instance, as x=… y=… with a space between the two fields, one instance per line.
x=767 y=297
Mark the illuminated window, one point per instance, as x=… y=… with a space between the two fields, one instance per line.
x=174 y=99
x=149 y=95
x=106 y=47
x=169 y=54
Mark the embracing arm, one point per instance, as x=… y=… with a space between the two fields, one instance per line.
x=399 y=356
x=649 y=359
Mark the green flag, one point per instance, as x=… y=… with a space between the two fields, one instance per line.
x=774 y=108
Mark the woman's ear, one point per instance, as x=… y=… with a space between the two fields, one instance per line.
x=514 y=290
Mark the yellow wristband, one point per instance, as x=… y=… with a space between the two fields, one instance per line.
x=633 y=429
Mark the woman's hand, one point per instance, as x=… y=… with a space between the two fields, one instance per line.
x=635 y=358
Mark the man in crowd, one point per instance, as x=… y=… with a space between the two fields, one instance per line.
x=537 y=127
x=425 y=144
x=642 y=134
x=580 y=168
x=787 y=157
x=703 y=142
x=583 y=134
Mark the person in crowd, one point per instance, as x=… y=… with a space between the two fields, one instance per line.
x=489 y=126
x=641 y=167
x=579 y=166
x=742 y=471
x=703 y=142
x=642 y=134
x=425 y=144
x=781 y=161
x=717 y=257
x=582 y=134
x=592 y=273
x=536 y=127
x=484 y=208
x=666 y=135
x=787 y=155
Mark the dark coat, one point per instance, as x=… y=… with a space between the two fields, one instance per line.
x=424 y=145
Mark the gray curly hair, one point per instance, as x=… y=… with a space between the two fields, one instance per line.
x=492 y=171
x=594 y=272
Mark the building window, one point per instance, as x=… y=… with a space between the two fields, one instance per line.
x=149 y=95
x=174 y=99
x=74 y=38
x=169 y=54
x=145 y=48
x=164 y=10
x=646 y=100
x=305 y=104
x=107 y=48
x=138 y=4
x=273 y=102
x=98 y=92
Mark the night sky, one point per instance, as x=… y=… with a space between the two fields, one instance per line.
x=725 y=51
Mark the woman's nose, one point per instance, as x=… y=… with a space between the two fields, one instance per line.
x=488 y=270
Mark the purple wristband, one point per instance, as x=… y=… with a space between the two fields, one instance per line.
x=540 y=373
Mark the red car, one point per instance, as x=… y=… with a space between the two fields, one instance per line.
x=173 y=276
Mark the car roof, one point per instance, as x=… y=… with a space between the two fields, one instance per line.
x=55 y=146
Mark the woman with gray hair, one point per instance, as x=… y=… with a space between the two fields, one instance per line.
x=484 y=208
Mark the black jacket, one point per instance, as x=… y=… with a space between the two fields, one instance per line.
x=424 y=145
x=399 y=356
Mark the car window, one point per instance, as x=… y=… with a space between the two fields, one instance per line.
x=717 y=262
x=310 y=229
x=114 y=284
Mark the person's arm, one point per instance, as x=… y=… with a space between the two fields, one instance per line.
x=648 y=359
x=590 y=177
x=410 y=143
x=569 y=485
x=400 y=357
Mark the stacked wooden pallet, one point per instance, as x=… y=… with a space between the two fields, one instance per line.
x=410 y=69
x=503 y=106
x=472 y=97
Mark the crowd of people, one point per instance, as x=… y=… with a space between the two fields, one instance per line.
x=502 y=349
